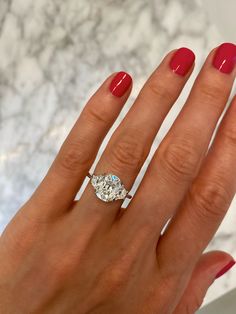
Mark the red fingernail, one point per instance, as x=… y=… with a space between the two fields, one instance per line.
x=182 y=61
x=225 y=58
x=120 y=84
x=225 y=269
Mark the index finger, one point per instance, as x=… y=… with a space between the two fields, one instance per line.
x=67 y=173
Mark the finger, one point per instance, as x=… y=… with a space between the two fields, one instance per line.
x=131 y=142
x=211 y=266
x=207 y=200
x=179 y=156
x=66 y=175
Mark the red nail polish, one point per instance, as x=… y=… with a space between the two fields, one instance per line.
x=225 y=269
x=120 y=84
x=225 y=58
x=182 y=61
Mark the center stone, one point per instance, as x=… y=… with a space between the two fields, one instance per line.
x=108 y=187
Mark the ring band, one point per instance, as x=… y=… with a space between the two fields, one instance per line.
x=108 y=187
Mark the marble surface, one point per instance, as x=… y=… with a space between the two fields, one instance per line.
x=54 y=54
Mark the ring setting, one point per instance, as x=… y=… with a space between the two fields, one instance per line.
x=108 y=187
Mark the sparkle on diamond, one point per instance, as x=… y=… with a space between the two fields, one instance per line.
x=108 y=187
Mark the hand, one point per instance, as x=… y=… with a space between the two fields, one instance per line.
x=88 y=256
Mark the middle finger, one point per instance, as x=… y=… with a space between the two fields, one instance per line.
x=131 y=142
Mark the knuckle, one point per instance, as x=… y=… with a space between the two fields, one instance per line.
x=179 y=158
x=189 y=306
x=127 y=153
x=118 y=271
x=96 y=116
x=209 y=199
x=111 y=280
x=171 y=282
x=115 y=278
x=22 y=241
x=74 y=158
x=59 y=267
x=229 y=134
x=59 y=273
x=211 y=91
x=160 y=90
x=195 y=304
x=192 y=305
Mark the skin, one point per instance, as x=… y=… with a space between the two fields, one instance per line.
x=64 y=256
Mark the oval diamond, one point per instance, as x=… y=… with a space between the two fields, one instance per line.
x=108 y=187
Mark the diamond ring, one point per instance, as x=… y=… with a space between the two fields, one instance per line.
x=108 y=187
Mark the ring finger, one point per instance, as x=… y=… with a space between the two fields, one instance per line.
x=178 y=158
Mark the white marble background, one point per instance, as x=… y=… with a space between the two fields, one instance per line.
x=54 y=54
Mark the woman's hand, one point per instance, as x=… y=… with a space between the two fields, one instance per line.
x=88 y=256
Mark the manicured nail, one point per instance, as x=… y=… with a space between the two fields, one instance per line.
x=225 y=269
x=120 y=84
x=182 y=61
x=225 y=58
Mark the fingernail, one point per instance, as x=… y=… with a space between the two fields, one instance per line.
x=225 y=58
x=225 y=269
x=120 y=84
x=182 y=61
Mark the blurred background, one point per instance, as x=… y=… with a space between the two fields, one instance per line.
x=54 y=54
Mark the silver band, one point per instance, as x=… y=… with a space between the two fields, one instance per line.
x=108 y=187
